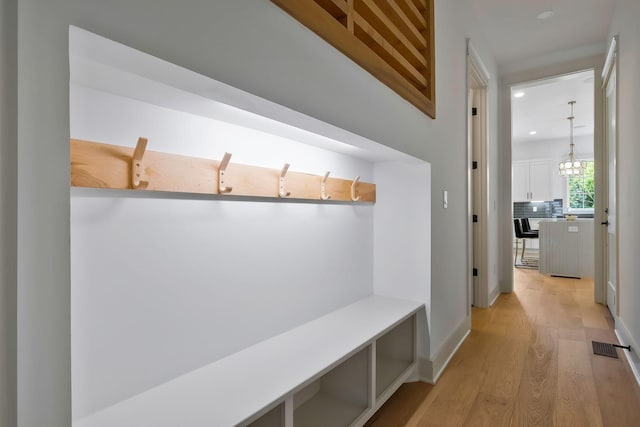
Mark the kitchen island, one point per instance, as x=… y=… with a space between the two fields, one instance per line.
x=567 y=247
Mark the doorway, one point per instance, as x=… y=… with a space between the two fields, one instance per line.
x=552 y=125
x=477 y=119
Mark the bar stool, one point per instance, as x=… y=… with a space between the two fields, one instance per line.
x=526 y=227
x=525 y=262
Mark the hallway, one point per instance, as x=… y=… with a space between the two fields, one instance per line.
x=527 y=362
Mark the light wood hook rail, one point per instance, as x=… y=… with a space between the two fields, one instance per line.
x=98 y=165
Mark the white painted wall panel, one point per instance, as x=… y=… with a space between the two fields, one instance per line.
x=402 y=237
x=164 y=284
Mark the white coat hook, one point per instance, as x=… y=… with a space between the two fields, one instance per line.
x=222 y=188
x=283 y=173
x=354 y=185
x=323 y=187
x=137 y=166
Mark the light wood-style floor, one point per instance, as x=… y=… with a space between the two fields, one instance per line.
x=528 y=361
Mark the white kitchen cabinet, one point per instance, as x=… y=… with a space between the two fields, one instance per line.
x=532 y=180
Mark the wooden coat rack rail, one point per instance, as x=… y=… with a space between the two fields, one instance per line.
x=98 y=165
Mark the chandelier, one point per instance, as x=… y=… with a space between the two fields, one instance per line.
x=571 y=166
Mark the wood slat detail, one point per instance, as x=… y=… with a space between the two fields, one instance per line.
x=384 y=49
x=329 y=5
x=409 y=28
x=394 y=42
x=420 y=4
x=413 y=13
x=336 y=8
x=350 y=11
x=98 y=165
x=430 y=36
x=385 y=26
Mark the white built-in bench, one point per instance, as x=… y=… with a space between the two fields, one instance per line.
x=334 y=371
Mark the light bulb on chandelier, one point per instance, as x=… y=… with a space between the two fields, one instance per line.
x=571 y=166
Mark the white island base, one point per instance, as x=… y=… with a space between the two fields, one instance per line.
x=567 y=248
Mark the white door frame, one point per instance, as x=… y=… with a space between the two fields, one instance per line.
x=477 y=138
x=506 y=205
x=609 y=74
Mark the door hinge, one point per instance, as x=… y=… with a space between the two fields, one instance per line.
x=474 y=111
x=474 y=164
x=475 y=218
x=475 y=272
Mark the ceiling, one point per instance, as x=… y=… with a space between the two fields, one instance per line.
x=543 y=108
x=516 y=35
x=514 y=32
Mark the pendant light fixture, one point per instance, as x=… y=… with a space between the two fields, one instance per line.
x=571 y=166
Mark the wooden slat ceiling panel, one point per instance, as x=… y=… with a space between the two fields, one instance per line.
x=389 y=29
x=336 y=8
x=384 y=49
x=398 y=33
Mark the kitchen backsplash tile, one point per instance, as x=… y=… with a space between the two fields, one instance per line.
x=547 y=209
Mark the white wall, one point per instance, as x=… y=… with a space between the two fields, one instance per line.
x=445 y=145
x=251 y=45
x=494 y=196
x=191 y=280
x=553 y=149
x=402 y=238
x=8 y=191
x=625 y=24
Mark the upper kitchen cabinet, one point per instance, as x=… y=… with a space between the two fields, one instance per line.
x=532 y=180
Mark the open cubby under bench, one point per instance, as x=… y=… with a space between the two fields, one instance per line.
x=336 y=370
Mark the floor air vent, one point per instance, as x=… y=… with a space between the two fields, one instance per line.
x=604 y=349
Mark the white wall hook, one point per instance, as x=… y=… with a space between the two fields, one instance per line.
x=222 y=188
x=354 y=185
x=323 y=187
x=283 y=173
x=137 y=166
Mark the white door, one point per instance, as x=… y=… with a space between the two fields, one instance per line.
x=610 y=140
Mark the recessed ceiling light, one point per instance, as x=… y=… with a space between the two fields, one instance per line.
x=546 y=14
x=518 y=94
x=533 y=132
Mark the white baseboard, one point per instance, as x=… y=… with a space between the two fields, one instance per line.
x=493 y=298
x=626 y=338
x=430 y=370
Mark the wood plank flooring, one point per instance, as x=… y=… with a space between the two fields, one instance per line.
x=527 y=362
